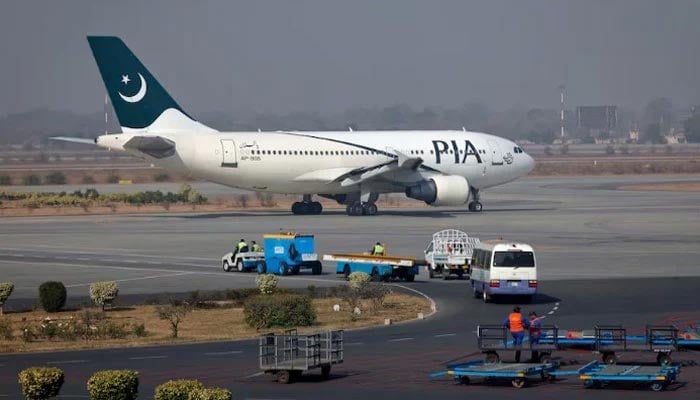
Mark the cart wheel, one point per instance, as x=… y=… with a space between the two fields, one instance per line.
x=239 y=266
x=590 y=383
x=491 y=358
x=546 y=358
x=284 y=268
x=226 y=266
x=609 y=358
x=463 y=380
x=657 y=386
x=262 y=267
x=431 y=274
x=518 y=383
x=284 y=377
x=346 y=272
x=663 y=359
x=410 y=278
x=375 y=274
x=326 y=371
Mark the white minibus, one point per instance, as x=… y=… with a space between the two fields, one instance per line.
x=503 y=268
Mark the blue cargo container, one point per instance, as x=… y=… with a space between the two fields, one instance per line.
x=288 y=253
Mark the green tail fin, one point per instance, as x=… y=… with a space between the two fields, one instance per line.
x=136 y=95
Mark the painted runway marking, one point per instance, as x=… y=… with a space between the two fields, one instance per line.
x=355 y=344
x=137 y=279
x=120 y=251
x=147 y=358
x=67 y=362
x=400 y=339
x=254 y=375
x=223 y=353
x=445 y=335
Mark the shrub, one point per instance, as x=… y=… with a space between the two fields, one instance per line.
x=31 y=180
x=564 y=150
x=609 y=150
x=39 y=383
x=174 y=314
x=139 y=330
x=6 y=289
x=548 y=150
x=113 y=385
x=161 y=177
x=113 y=178
x=358 y=280
x=283 y=311
x=177 y=389
x=55 y=178
x=210 y=394
x=103 y=292
x=5 y=180
x=52 y=296
x=267 y=283
x=6 y=329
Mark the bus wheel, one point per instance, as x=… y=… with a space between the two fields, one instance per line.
x=485 y=296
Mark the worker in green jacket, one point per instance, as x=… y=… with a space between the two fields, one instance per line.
x=256 y=247
x=378 y=249
x=241 y=247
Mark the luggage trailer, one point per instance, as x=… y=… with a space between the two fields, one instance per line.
x=380 y=268
x=289 y=355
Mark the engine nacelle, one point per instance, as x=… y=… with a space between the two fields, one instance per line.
x=450 y=190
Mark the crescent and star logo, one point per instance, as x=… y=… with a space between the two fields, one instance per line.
x=139 y=95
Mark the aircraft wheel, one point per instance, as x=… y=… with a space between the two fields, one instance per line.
x=296 y=206
x=475 y=206
x=316 y=208
x=355 y=209
x=370 y=209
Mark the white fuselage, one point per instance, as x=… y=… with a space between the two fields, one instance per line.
x=307 y=162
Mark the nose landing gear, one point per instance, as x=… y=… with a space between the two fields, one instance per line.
x=475 y=204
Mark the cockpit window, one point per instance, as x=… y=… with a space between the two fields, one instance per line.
x=518 y=150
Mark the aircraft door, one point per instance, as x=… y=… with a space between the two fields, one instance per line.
x=228 y=152
x=496 y=153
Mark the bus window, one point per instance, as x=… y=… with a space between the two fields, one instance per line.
x=514 y=259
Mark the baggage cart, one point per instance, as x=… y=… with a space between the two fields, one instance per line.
x=598 y=375
x=494 y=338
x=380 y=268
x=288 y=355
x=517 y=373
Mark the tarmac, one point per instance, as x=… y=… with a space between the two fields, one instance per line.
x=605 y=256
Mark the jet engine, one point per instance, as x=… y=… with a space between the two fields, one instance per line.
x=441 y=190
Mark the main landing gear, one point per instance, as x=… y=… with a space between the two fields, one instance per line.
x=358 y=208
x=475 y=205
x=307 y=207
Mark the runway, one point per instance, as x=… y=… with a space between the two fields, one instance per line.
x=604 y=256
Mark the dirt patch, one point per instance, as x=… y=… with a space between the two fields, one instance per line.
x=202 y=324
x=689 y=187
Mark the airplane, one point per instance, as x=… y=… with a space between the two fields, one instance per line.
x=439 y=167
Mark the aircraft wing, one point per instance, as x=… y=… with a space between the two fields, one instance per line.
x=355 y=176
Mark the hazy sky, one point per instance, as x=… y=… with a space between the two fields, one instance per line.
x=327 y=55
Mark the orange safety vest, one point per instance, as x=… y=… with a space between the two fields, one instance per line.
x=515 y=321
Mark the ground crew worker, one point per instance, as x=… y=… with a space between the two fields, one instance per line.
x=535 y=332
x=517 y=325
x=256 y=247
x=378 y=250
x=241 y=247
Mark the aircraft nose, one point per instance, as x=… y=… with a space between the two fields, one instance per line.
x=528 y=163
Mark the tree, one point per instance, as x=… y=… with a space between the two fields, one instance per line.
x=174 y=313
x=692 y=129
x=660 y=111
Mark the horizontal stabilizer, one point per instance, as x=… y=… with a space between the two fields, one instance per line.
x=74 y=139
